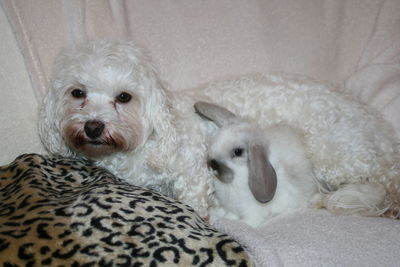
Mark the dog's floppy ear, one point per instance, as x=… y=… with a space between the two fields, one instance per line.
x=49 y=127
x=221 y=116
x=262 y=176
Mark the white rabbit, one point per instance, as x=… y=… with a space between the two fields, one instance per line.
x=262 y=173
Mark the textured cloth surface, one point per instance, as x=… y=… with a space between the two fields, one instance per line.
x=63 y=212
x=319 y=238
x=18 y=105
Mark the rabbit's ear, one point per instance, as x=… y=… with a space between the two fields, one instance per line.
x=221 y=116
x=262 y=176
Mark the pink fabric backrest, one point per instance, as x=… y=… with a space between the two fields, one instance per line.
x=354 y=43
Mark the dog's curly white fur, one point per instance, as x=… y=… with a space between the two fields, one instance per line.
x=107 y=103
x=265 y=172
x=354 y=152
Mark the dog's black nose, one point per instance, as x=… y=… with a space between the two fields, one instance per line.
x=94 y=129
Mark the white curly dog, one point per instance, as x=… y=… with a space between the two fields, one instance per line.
x=107 y=103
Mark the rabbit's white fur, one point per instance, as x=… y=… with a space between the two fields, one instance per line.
x=296 y=187
x=286 y=153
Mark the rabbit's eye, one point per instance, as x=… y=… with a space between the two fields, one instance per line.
x=237 y=152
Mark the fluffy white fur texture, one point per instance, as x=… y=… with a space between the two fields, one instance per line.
x=295 y=181
x=354 y=152
x=156 y=140
x=265 y=172
x=147 y=141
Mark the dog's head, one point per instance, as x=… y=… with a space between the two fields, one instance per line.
x=103 y=99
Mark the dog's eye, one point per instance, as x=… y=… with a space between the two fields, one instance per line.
x=237 y=152
x=123 y=97
x=78 y=93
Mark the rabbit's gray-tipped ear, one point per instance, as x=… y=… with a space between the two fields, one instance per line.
x=262 y=176
x=221 y=116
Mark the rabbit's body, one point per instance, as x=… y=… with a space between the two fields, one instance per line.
x=295 y=183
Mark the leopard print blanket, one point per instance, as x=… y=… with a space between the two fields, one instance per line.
x=66 y=212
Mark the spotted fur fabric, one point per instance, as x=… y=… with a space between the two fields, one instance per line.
x=64 y=212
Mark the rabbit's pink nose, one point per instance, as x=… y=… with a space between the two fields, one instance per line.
x=222 y=172
x=213 y=164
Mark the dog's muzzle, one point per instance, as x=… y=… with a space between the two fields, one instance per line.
x=94 y=129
